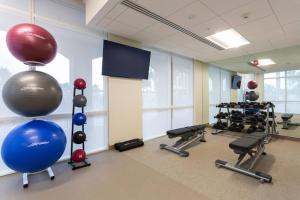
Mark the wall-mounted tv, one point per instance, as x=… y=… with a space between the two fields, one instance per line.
x=124 y=61
x=236 y=82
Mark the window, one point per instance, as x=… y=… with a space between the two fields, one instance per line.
x=79 y=56
x=167 y=94
x=245 y=79
x=219 y=84
x=282 y=88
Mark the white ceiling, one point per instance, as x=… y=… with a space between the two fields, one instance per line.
x=271 y=24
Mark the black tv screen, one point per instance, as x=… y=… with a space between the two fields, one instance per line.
x=124 y=61
x=236 y=82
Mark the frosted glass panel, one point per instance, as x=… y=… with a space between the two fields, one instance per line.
x=293 y=89
x=225 y=86
x=293 y=73
x=20 y=4
x=279 y=107
x=293 y=107
x=274 y=75
x=157 y=89
x=182 y=81
x=156 y=123
x=274 y=89
x=213 y=111
x=182 y=117
x=214 y=85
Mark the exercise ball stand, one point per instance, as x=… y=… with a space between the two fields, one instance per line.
x=84 y=163
x=25 y=176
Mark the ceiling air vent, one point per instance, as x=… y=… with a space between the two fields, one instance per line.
x=148 y=13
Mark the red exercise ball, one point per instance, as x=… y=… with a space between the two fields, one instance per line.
x=31 y=44
x=78 y=155
x=252 y=85
x=79 y=84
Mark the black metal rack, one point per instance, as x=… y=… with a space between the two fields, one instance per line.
x=84 y=163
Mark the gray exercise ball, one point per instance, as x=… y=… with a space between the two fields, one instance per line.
x=79 y=101
x=252 y=96
x=32 y=93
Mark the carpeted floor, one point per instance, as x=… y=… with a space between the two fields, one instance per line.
x=150 y=173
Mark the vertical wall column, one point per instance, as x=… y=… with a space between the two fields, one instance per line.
x=201 y=98
x=124 y=103
x=260 y=89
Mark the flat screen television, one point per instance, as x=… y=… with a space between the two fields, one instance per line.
x=124 y=61
x=236 y=82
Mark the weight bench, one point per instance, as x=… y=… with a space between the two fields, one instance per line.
x=286 y=121
x=188 y=136
x=252 y=145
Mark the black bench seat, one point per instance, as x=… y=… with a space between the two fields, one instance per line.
x=247 y=142
x=182 y=131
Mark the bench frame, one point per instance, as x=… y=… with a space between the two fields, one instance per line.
x=186 y=140
x=253 y=156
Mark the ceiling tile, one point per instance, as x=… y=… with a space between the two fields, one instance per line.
x=287 y=11
x=221 y=7
x=262 y=29
x=253 y=11
x=115 y=12
x=155 y=33
x=165 y=7
x=256 y=47
x=194 y=13
x=135 y=19
x=210 y=27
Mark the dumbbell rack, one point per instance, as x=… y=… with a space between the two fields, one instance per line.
x=270 y=127
x=84 y=163
x=221 y=120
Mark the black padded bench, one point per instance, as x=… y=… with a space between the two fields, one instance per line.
x=188 y=136
x=252 y=145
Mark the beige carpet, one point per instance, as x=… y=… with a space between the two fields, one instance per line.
x=150 y=173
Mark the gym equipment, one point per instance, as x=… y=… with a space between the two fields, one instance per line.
x=188 y=136
x=79 y=119
x=32 y=93
x=252 y=85
x=31 y=44
x=79 y=100
x=25 y=176
x=78 y=158
x=251 y=129
x=286 y=121
x=78 y=155
x=33 y=146
x=252 y=145
x=80 y=84
x=220 y=125
x=127 y=145
x=252 y=96
x=79 y=137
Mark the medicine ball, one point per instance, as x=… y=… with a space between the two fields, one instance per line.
x=31 y=44
x=33 y=146
x=252 y=85
x=78 y=155
x=79 y=137
x=32 y=93
x=80 y=84
x=79 y=119
x=79 y=101
x=252 y=96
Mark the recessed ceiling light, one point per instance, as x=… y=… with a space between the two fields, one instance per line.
x=262 y=62
x=228 y=39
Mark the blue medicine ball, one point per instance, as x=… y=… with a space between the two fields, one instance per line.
x=33 y=146
x=79 y=119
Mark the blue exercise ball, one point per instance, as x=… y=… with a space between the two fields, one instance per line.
x=79 y=119
x=33 y=146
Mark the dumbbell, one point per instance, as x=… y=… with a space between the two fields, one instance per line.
x=251 y=129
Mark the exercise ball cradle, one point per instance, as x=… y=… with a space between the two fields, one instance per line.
x=78 y=157
x=35 y=145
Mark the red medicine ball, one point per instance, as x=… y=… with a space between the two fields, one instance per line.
x=31 y=44
x=78 y=155
x=252 y=85
x=79 y=84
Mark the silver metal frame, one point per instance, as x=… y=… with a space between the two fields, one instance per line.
x=185 y=141
x=25 y=176
x=254 y=155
